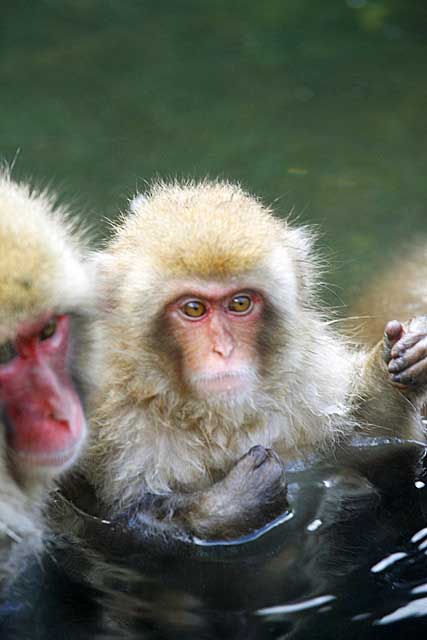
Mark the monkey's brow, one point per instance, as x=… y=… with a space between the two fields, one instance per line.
x=74 y=315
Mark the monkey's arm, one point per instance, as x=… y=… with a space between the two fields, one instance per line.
x=391 y=386
x=21 y=534
x=253 y=494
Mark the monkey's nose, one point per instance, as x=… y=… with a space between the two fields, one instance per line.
x=223 y=346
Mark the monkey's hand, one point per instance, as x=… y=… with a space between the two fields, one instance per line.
x=405 y=354
x=253 y=494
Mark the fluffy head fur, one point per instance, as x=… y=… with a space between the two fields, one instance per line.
x=204 y=231
x=207 y=230
x=151 y=435
x=41 y=257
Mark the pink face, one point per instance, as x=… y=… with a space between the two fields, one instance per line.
x=37 y=395
x=216 y=329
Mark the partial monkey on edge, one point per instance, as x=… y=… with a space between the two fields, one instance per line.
x=45 y=293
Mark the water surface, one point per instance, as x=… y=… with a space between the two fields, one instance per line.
x=348 y=560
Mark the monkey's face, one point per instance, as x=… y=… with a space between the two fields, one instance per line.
x=216 y=328
x=40 y=405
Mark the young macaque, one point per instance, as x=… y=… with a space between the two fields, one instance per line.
x=44 y=283
x=210 y=341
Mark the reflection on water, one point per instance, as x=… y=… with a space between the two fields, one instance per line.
x=348 y=561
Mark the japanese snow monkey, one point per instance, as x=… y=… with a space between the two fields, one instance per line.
x=44 y=283
x=210 y=344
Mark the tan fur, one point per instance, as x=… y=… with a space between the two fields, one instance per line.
x=176 y=242
x=41 y=270
x=41 y=255
x=398 y=293
x=149 y=433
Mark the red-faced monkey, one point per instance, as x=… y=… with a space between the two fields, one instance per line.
x=44 y=282
x=210 y=341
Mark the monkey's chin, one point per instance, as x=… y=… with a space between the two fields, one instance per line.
x=48 y=464
x=229 y=385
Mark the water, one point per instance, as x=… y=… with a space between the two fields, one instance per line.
x=349 y=560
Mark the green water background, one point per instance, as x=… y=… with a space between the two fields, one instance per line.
x=316 y=105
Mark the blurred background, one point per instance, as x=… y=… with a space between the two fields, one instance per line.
x=318 y=106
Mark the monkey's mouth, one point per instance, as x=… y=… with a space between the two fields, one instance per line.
x=44 y=436
x=54 y=446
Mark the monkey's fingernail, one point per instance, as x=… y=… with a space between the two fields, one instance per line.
x=395 y=365
x=260 y=455
x=396 y=378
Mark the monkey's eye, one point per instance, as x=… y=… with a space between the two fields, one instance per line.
x=194 y=309
x=240 y=304
x=48 y=329
x=7 y=352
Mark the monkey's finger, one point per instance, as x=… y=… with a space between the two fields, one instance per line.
x=253 y=459
x=411 y=356
x=393 y=331
x=408 y=341
x=413 y=376
x=401 y=387
x=259 y=455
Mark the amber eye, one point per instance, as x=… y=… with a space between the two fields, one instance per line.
x=240 y=304
x=7 y=352
x=194 y=309
x=48 y=329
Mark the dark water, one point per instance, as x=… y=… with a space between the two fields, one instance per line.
x=348 y=560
